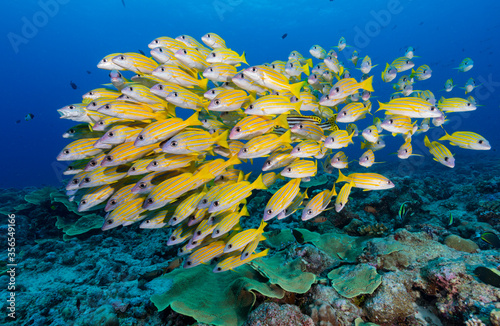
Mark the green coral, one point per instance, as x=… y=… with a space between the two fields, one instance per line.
x=82 y=225
x=288 y=276
x=213 y=298
x=351 y=281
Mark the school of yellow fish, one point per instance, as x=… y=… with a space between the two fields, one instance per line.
x=133 y=157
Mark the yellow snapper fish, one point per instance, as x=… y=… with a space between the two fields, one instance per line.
x=192 y=58
x=269 y=78
x=399 y=124
x=342 y=43
x=131 y=111
x=229 y=100
x=465 y=65
x=160 y=130
x=272 y=104
x=456 y=104
x=213 y=40
x=129 y=211
x=126 y=153
x=318 y=204
x=468 y=140
x=95 y=196
x=343 y=196
x=253 y=125
x=278 y=159
x=470 y=85
x=412 y=107
x=174 y=74
x=367 y=159
x=232 y=262
x=338 y=139
x=194 y=141
x=186 y=207
x=339 y=161
x=107 y=63
x=422 y=73
x=307 y=148
x=102 y=176
x=79 y=150
x=247 y=84
x=156 y=220
x=353 y=112
x=270 y=178
x=229 y=222
x=118 y=134
x=173 y=188
x=301 y=169
x=120 y=196
x=402 y=64
x=349 y=86
x=167 y=42
x=224 y=55
x=440 y=152
x=389 y=74
x=318 y=52
x=220 y=72
x=448 y=85
x=187 y=100
x=406 y=150
x=293 y=68
x=263 y=145
x=308 y=129
x=371 y=133
x=298 y=56
x=135 y=62
x=366 y=181
x=366 y=65
x=140 y=166
x=189 y=41
x=294 y=205
x=281 y=199
x=205 y=254
x=230 y=195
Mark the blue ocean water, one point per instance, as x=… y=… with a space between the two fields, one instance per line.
x=49 y=43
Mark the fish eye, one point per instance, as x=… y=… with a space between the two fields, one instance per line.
x=407 y=62
x=208 y=35
x=132 y=169
x=391 y=121
x=154 y=163
x=479 y=141
x=162 y=68
x=83 y=202
x=160 y=87
x=268 y=163
x=269 y=211
x=251 y=106
x=197 y=233
x=110 y=221
x=188 y=263
x=86 y=180
x=213 y=55
x=216 y=203
x=111 y=134
x=424 y=71
x=71 y=131
x=388 y=182
x=173 y=238
x=366 y=157
x=150 y=200
x=122 y=57
x=289 y=169
x=142 y=185
x=446 y=159
x=140 y=137
x=432 y=108
x=66 y=151
x=71 y=107
x=229 y=246
x=175 y=94
x=204 y=201
x=337 y=89
x=217 y=102
x=237 y=129
x=211 y=69
x=219 y=269
x=344 y=113
x=156 y=41
x=254 y=69
x=173 y=144
x=468 y=104
x=298 y=149
x=109 y=158
x=245 y=150
x=160 y=50
x=309 y=212
x=113 y=202
x=185 y=52
x=291 y=64
x=107 y=106
x=104 y=60
x=74 y=181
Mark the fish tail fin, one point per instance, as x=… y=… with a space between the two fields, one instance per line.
x=161 y=115
x=282 y=121
x=258 y=184
x=222 y=139
x=342 y=178
x=193 y=120
x=309 y=62
x=234 y=160
x=306 y=70
x=297 y=106
x=446 y=136
x=203 y=83
x=243 y=59
x=367 y=84
x=244 y=211
x=295 y=88
x=246 y=176
x=381 y=106
x=262 y=253
x=441 y=100
x=286 y=137
x=427 y=142
x=261 y=226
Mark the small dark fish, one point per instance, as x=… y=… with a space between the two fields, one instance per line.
x=451 y=220
x=73 y=85
x=29 y=117
x=421 y=23
x=172 y=265
x=89 y=72
x=488 y=275
x=78 y=303
x=320 y=219
x=18 y=121
x=123 y=3
x=284 y=36
x=491 y=238
x=299 y=237
x=142 y=52
x=151 y=275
